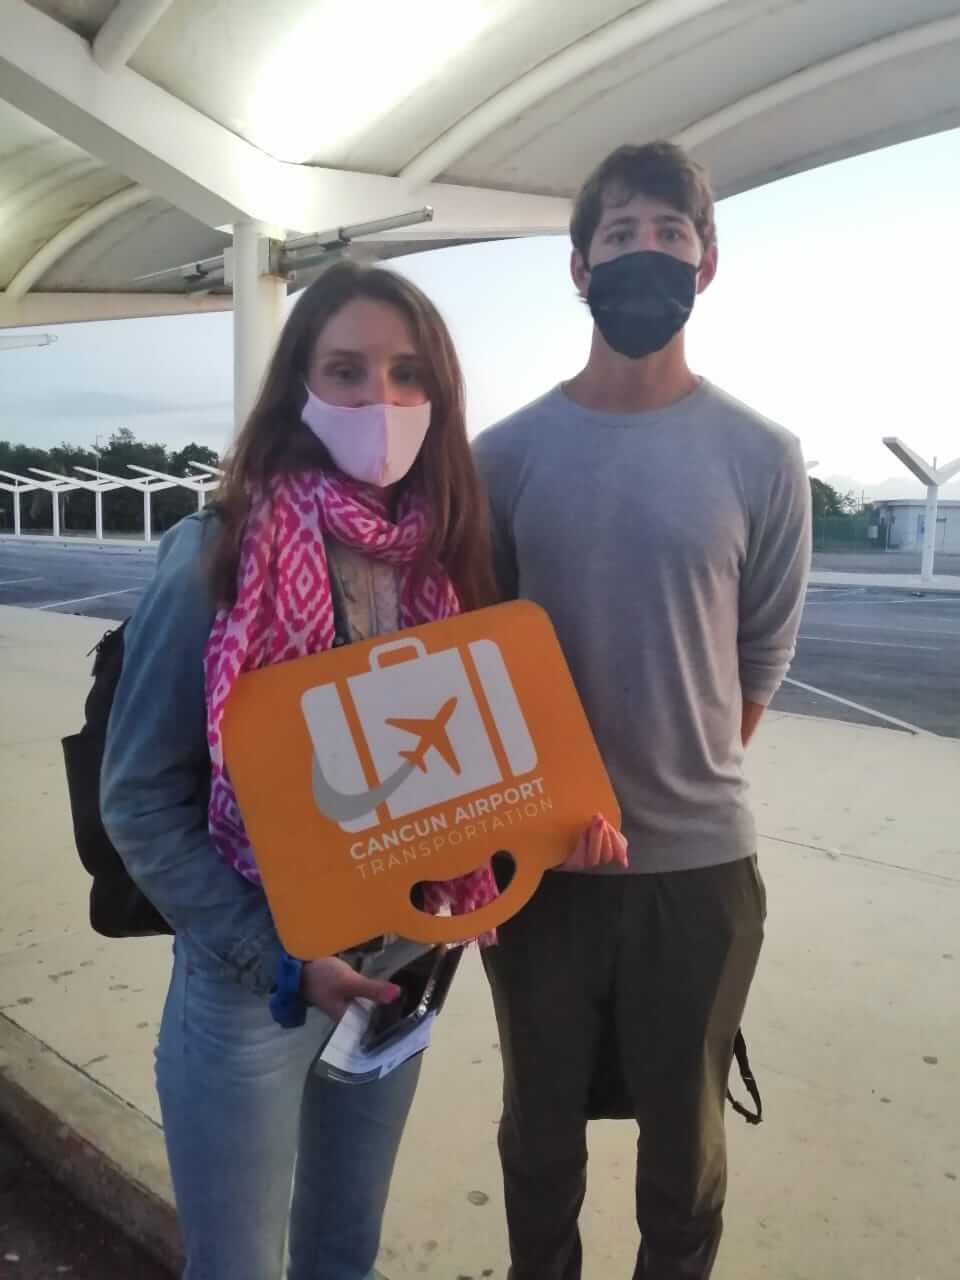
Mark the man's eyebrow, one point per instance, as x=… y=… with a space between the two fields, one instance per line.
x=672 y=220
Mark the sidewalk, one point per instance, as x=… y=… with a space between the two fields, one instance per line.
x=852 y=1026
x=942 y=584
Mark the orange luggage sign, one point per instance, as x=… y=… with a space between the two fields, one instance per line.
x=367 y=769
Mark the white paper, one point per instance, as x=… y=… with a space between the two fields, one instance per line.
x=344 y=1057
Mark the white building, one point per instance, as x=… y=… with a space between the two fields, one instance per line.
x=905 y=523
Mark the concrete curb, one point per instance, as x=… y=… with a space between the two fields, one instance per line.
x=121 y=545
x=898 y=583
x=110 y=1156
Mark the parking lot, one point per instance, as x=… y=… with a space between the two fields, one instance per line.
x=892 y=652
x=99 y=582
x=869 y=655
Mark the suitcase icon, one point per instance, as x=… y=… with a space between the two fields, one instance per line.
x=416 y=730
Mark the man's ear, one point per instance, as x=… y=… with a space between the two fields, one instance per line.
x=708 y=267
x=580 y=272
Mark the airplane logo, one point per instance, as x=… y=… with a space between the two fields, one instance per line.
x=432 y=734
x=344 y=806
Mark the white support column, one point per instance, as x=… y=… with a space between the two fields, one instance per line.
x=55 y=501
x=259 y=308
x=98 y=512
x=930 y=533
x=16 y=512
x=201 y=498
x=933 y=477
x=147 y=522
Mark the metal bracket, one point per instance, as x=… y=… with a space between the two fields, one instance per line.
x=285 y=258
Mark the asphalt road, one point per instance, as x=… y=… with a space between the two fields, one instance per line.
x=101 y=583
x=45 y=1233
x=890 y=651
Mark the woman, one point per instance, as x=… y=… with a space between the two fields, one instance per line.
x=350 y=507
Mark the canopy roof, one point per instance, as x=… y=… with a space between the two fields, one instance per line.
x=134 y=135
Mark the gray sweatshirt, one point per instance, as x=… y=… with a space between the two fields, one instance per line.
x=670 y=549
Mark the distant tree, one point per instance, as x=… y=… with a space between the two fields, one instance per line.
x=827 y=501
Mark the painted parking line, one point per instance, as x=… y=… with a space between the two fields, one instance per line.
x=15 y=582
x=858 y=706
x=103 y=595
x=937 y=598
x=903 y=631
x=830 y=594
x=870 y=644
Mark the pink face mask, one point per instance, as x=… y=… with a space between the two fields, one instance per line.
x=375 y=443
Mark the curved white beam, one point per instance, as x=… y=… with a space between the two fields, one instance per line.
x=48 y=184
x=23 y=483
x=71 y=235
x=126 y=28
x=916 y=465
x=75 y=308
x=194 y=483
x=810 y=79
x=635 y=28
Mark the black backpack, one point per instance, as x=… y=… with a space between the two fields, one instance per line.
x=117 y=907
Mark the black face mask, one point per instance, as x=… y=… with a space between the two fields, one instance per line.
x=641 y=300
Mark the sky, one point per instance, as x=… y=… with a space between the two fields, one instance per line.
x=834 y=312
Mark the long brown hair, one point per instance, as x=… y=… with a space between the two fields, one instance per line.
x=274 y=442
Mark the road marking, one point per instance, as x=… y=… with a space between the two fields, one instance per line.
x=876 y=597
x=937 y=599
x=61 y=604
x=872 y=644
x=858 y=706
x=834 y=593
x=15 y=582
x=904 y=631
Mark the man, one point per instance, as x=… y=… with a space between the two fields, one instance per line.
x=665 y=528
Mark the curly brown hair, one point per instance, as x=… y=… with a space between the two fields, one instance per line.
x=274 y=441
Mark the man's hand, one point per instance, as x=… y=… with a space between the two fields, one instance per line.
x=752 y=712
x=331 y=984
x=598 y=846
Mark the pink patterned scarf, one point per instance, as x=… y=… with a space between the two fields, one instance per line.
x=284 y=610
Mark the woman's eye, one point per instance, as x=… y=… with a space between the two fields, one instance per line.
x=343 y=372
x=407 y=377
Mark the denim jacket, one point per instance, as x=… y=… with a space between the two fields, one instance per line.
x=156 y=770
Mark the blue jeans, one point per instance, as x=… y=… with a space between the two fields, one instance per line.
x=257 y=1140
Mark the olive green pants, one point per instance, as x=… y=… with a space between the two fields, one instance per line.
x=622 y=995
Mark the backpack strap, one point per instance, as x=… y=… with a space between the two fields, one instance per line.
x=341 y=623
x=749 y=1081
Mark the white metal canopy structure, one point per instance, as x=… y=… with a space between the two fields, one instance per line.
x=136 y=135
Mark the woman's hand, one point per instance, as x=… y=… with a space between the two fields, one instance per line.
x=331 y=984
x=599 y=846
